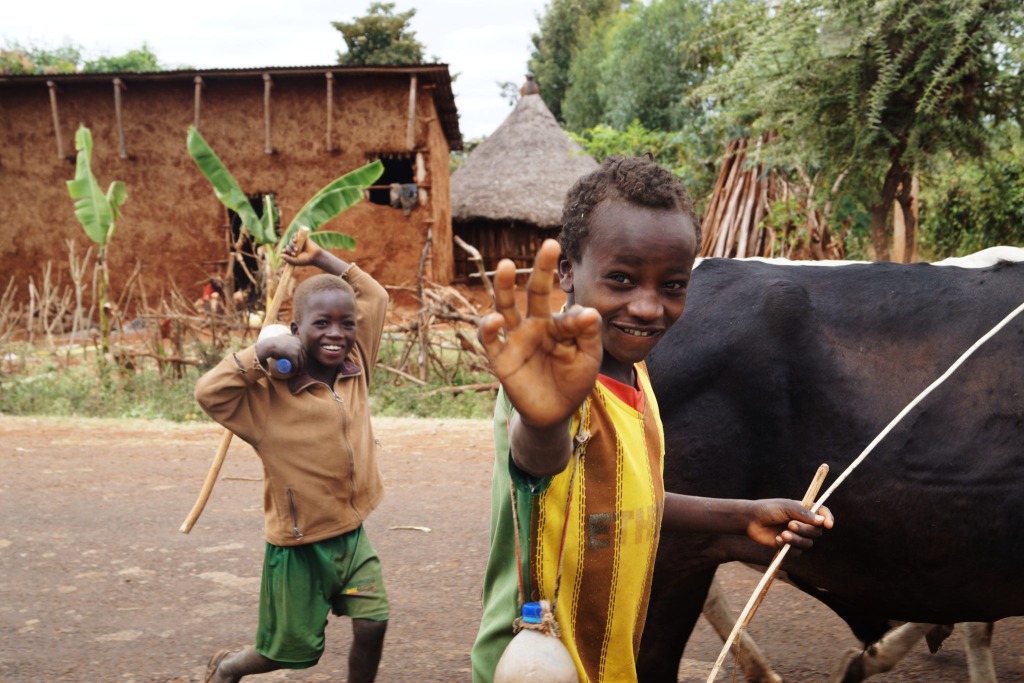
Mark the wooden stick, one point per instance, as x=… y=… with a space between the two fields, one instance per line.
x=762 y=588
x=225 y=442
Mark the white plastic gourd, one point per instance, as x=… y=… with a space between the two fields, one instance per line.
x=536 y=653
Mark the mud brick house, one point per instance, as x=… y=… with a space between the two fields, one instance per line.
x=285 y=131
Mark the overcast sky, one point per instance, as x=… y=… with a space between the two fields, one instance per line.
x=483 y=41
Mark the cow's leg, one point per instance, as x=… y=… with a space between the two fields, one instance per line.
x=672 y=613
x=978 y=644
x=722 y=618
x=856 y=665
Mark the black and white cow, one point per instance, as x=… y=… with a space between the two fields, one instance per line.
x=774 y=369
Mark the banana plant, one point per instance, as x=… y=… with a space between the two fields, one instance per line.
x=330 y=201
x=97 y=212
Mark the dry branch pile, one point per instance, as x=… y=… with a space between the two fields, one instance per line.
x=756 y=210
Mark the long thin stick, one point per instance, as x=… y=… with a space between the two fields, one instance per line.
x=773 y=568
x=225 y=441
x=766 y=581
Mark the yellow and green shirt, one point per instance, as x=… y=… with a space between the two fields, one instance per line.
x=611 y=539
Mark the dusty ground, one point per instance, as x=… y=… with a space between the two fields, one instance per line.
x=97 y=584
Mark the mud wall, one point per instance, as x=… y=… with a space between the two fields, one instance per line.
x=172 y=222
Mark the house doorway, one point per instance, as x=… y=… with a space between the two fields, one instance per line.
x=248 y=278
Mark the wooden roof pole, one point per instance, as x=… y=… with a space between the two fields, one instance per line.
x=56 y=118
x=330 y=109
x=118 y=87
x=410 y=134
x=268 y=83
x=198 y=80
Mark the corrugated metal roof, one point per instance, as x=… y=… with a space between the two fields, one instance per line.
x=436 y=75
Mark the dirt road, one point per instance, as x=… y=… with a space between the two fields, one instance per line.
x=98 y=585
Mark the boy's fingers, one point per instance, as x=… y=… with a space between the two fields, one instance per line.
x=538 y=301
x=578 y=323
x=505 y=293
x=487 y=333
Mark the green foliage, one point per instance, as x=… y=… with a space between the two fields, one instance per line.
x=565 y=25
x=227 y=189
x=672 y=150
x=390 y=398
x=139 y=60
x=95 y=210
x=874 y=90
x=16 y=58
x=380 y=37
x=51 y=388
x=975 y=204
x=67 y=58
x=330 y=201
x=74 y=391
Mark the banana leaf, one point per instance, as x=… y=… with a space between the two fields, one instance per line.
x=225 y=187
x=330 y=201
x=333 y=240
x=92 y=207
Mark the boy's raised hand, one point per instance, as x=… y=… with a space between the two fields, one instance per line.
x=547 y=363
x=303 y=257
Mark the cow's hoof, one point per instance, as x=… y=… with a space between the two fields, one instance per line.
x=849 y=668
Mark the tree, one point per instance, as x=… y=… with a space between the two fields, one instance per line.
x=336 y=197
x=139 y=60
x=96 y=211
x=871 y=91
x=16 y=58
x=380 y=37
x=562 y=29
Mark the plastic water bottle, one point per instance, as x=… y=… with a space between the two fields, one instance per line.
x=279 y=368
x=535 y=655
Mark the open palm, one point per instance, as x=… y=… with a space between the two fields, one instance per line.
x=547 y=363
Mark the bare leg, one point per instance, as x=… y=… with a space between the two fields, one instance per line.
x=367 y=645
x=243 y=663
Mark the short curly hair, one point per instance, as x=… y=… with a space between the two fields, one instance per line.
x=322 y=282
x=637 y=180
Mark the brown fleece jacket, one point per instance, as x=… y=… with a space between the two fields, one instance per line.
x=320 y=475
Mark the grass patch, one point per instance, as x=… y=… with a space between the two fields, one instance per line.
x=49 y=386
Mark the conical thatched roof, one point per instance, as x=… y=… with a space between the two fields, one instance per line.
x=522 y=171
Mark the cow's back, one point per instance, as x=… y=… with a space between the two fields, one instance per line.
x=773 y=370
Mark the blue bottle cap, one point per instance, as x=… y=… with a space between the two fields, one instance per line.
x=283 y=365
x=532 y=612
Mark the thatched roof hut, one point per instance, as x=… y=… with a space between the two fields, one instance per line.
x=508 y=194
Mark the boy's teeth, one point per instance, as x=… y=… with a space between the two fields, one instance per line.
x=638 y=333
x=332 y=347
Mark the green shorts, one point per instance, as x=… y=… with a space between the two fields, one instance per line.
x=302 y=583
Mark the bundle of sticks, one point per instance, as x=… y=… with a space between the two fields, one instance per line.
x=756 y=210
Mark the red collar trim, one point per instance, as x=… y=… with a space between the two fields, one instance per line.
x=631 y=396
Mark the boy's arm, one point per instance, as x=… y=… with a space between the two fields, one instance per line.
x=232 y=394
x=772 y=522
x=547 y=364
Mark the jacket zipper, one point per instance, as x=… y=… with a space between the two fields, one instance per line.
x=351 y=455
x=295 y=516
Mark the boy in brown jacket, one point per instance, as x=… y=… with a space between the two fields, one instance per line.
x=312 y=432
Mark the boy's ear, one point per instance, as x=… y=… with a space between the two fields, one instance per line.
x=294 y=327
x=565 y=275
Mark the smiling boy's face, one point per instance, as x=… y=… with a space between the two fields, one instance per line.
x=327 y=328
x=634 y=268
